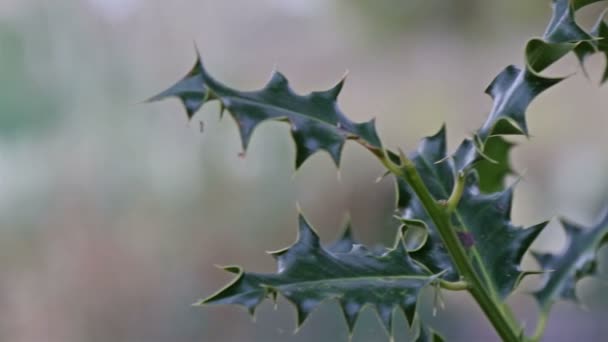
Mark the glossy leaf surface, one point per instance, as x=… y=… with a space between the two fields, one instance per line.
x=496 y=246
x=577 y=260
x=494 y=169
x=600 y=31
x=308 y=274
x=315 y=119
x=515 y=88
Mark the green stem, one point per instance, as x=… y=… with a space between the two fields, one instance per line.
x=453 y=285
x=452 y=202
x=540 y=327
x=492 y=308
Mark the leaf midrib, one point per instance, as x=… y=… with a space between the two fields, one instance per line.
x=289 y=111
x=348 y=279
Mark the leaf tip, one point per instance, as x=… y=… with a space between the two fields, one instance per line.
x=333 y=92
x=190 y=90
x=277 y=81
x=350 y=311
x=306 y=234
x=299 y=209
x=572 y=229
x=385 y=314
x=198 y=303
x=536 y=229
x=303 y=310
x=276 y=254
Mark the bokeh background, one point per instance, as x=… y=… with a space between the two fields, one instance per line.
x=113 y=212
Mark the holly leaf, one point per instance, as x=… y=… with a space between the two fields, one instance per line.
x=190 y=90
x=577 y=260
x=512 y=91
x=495 y=167
x=515 y=88
x=562 y=26
x=315 y=119
x=308 y=274
x=495 y=245
x=600 y=31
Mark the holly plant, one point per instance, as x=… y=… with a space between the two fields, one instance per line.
x=454 y=206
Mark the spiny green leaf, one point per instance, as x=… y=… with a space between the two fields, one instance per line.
x=578 y=259
x=563 y=27
x=540 y=54
x=514 y=89
x=494 y=169
x=316 y=121
x=308 y=274
x=483 y=221
x=191 y=90
x=600 y=31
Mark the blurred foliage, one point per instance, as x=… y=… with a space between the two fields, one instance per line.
x=394 y=17
x=26 y=106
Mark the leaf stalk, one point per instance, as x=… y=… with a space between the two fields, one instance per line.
x=540 y=327
x=456 y=194
x=460 y=285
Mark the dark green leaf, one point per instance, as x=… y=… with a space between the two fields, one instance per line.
x=494 y=169
x=600 y=31
x=316 y=121
x=578 y=259
x=483 y=220
x=191 y=90
x=540 y=54
x=308 y=274
x=563 y=27
x=514 y=89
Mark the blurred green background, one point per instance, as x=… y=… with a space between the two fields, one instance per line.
x=114 y=212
